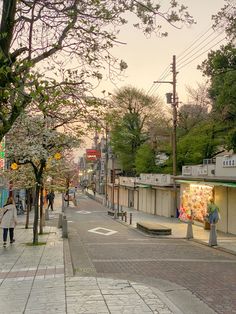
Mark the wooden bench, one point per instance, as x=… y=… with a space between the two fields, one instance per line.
x=153 y=228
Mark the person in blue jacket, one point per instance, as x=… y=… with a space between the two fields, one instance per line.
x=213 y=212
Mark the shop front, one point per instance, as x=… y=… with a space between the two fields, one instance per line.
x=194 y=198
x=195 y=195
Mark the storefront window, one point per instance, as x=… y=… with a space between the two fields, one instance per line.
x=194 y=198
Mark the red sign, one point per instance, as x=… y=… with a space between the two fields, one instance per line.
x=92 y=154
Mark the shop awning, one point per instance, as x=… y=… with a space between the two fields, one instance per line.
x=143 y=186
x=218 y=183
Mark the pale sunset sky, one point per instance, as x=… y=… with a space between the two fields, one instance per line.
x=148 y=58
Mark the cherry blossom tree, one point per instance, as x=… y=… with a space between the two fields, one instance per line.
x=69 y=41
x=33 y=141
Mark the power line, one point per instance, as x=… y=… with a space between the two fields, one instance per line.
x=167 y=71
x=181 y=59
x=196 y=40
x=193 y=54
x=201 y=53
x=164 y=74
x=202 y=35
x=186 y=52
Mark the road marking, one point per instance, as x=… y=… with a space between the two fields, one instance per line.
x=103 y=231
x=163 y=260
x=84 y=212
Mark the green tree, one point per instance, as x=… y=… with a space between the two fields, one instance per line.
x=220 y=67
x=130 y=120
x=70 y=40
x=225 y=19
x=126 y=138
x=203 y=141
x=145 y=159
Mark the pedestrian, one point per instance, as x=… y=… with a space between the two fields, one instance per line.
x=213 y=210
x=50 y=198
x=8 y=220
x=93 y=187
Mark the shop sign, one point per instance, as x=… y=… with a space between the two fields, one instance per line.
x=2 y=154
x=92 y=154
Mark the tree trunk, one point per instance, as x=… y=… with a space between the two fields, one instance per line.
x=41 y=211
x=36 y=215
x=28 y=205
x=67 y=192
x=7 y=25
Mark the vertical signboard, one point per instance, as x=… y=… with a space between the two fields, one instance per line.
x=3 y=192
x=2 y=154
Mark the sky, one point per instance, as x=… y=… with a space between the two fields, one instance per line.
x=148 y=58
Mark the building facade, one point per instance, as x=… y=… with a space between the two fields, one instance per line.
x=214 y=178
x=149 y=193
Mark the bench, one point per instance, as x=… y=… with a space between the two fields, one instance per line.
x=153 y=228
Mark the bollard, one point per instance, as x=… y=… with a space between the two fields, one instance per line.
x=64 y=227
x=213 y=236
x=190 y=230
x=130 y=218
x=125 y=216
x=59 y=221
x=46 y=214
x=122 y=215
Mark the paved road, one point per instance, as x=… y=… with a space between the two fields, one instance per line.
x=177 y=267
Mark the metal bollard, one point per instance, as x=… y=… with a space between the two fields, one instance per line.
x=125 y=216
x=122 y=215
x=130 y=218
x=59 y=221
x=190 y=230
x=64 y=227
x=213 y=236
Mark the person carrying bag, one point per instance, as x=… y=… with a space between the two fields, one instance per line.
x=8 y=220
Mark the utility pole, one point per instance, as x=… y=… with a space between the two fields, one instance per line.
x=174 y=105
x=106 y=164
x=173 y=100
x=174 y=143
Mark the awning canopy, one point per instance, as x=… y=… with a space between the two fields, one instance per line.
x=215 y=183
x=144 y=186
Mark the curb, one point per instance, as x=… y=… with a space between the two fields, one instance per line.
x=69 y=272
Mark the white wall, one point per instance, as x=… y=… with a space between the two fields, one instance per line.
x=232 y=210
x=222 y=169
x=221 y=200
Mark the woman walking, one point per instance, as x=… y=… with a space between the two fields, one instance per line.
x=8 y=220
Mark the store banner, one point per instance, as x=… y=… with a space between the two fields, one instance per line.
x=2 y=154
x=193 y=201
x=92 y=154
